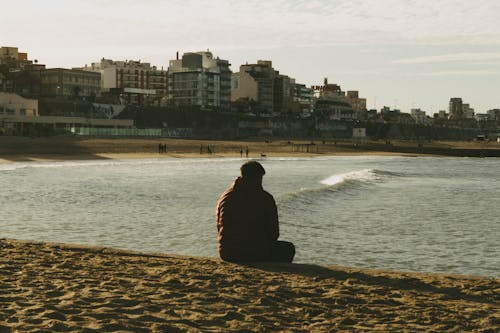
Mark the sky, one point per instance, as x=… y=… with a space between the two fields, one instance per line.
x=397 y=53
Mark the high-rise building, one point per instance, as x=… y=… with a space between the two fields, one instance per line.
x=137 y=83
x=199 y=79
x=273 y=93
x=304 y=96
x=255 y=82
x=456 y=108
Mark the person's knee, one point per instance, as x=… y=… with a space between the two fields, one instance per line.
x=291 y=250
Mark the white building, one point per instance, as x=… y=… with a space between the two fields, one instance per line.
x=419 y=116
x=199 y=79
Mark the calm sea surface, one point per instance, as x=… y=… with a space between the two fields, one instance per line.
x=431 y=214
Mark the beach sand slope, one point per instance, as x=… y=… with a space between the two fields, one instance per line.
x=69 y=288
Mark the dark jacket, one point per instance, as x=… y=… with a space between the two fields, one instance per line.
x=247 y=222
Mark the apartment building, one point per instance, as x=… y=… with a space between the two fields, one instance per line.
x=12 y=53
x=358 y=104
x=261 y=83
x=62 y=82
x=455 y=108
x=467 y=111
x=419 y=116
x=494 y=114
x=304 y=96
x=332 y=102
x=199 y=79
x=135 y=82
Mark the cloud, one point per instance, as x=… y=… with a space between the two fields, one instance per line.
x=452 y=57
x=263 y=24
x=461 y=73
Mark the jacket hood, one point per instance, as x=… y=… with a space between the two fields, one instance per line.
x=243 y=184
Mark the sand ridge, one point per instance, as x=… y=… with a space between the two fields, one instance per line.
x=69 y=288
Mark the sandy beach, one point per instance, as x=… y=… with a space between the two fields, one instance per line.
x=74 y=288
x=60 y=148
x=70 y=288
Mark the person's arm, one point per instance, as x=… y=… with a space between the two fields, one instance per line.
x=218 y=213
x=274 y=229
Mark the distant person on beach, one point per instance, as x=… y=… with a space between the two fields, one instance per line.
x=247 y=221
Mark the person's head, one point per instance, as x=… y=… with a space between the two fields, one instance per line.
x=252 y=171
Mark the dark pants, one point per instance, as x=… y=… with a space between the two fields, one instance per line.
x=282 y=252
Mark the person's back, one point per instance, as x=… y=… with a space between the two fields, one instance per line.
x=247 y=221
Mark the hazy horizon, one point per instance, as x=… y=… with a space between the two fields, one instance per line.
x=418 y=55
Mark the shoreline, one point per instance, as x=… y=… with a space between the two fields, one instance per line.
x=134 y=156
x=78 y=288
x=61 y=148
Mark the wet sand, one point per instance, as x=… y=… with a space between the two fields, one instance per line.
x=69 y=288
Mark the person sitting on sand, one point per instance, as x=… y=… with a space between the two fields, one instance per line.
x=247 y=221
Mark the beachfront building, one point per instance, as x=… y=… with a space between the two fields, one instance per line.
x=12 y=55
x=136 y=83
x=332 y=103
x=15 y=105
x=467 y=111
x=283 y=95
x=18 y=74
x=455 y=108
x=19 y=116
x=272 y=92
x=62 y=82
x=304 y=97
x=358 y=104
x=419 y=116
x=255 y=82
x=199 y=79
x=441 y=114
x=494 y=114
x=481 y=117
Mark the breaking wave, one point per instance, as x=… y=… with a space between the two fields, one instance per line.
x=339 y=182
x=361 y=176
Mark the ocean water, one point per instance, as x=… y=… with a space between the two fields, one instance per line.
x=430 y=214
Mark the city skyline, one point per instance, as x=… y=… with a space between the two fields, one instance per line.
x=418 y=55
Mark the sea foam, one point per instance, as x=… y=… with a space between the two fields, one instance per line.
x=363 y=176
